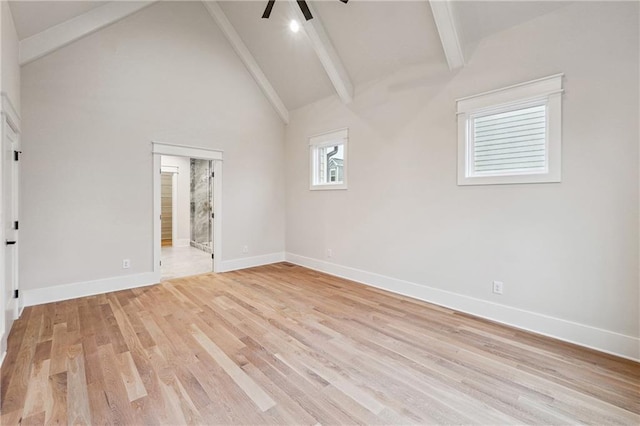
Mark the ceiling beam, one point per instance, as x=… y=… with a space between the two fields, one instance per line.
x=326 y=53
x=445 y=22
x=51 y=39
x=241 y=49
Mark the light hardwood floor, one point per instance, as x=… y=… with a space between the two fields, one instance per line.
x=282 y=344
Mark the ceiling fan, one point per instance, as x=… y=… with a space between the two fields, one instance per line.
x=303 y=7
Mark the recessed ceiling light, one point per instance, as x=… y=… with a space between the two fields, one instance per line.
x=294 y=26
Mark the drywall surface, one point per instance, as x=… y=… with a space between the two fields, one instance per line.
x=183 y=204
x=10 y=78
x=2 y=9
x=567 y=250
x=91 y=111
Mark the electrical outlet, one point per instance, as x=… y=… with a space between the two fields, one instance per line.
x=329 y=253
x=498 y=287
x=126 y=263
x=245 y=249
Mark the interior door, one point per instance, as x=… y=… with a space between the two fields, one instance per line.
x=211 y=210
x=10 y=157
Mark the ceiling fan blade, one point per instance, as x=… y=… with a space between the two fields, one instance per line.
x=305 y=10
x=267 y=11
x=345 y=1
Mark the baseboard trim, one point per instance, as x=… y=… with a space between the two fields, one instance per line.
x=90 y=288
x=57 y=293
x=584 y=335
x=250 y=262
x=3 y=346
x=184 y=242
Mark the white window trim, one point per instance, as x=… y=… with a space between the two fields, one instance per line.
x=548 y=91
x=332 y=138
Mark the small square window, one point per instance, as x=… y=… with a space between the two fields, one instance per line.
x=511 y=135
x=328 y=160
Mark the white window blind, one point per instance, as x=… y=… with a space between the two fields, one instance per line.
x=511 y=135
x=510 y=142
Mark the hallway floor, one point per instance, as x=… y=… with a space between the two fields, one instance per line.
x=184 y=261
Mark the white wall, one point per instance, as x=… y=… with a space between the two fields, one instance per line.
x=2 y=12
x=90 y=112
x=568 y=250
x=10 y=74
x=184 y=197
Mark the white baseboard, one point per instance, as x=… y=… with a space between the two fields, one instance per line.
x=250 y=262
x=57 y=293
x=185 y=242
x=3 y=345
x=89 y=288
x=580 y=334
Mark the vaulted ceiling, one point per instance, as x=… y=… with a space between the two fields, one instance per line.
x=344 y=46
x=33 y=17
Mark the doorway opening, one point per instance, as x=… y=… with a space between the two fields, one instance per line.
x=186 y=206
x=186 y=218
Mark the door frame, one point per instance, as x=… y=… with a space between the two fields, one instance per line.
x=176 y=150
x=10 y=232
x=9 y=118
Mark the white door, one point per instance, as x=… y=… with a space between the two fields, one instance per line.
x=10 y=155
x=211 y=214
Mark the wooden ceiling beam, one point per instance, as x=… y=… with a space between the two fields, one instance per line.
x=327 y=54
x=445 y=22
x=247 y=58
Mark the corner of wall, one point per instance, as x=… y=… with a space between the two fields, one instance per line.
x=251 y=262
x=568 y=331
x=9 y=57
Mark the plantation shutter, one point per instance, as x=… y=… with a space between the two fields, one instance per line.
x=513 y=141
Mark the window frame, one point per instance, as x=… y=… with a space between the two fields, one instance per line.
x=333 y=175
x=332 y=138
x=544 y=91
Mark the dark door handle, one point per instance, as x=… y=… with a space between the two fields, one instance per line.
x=10 y=243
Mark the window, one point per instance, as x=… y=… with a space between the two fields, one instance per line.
x=328 y=160
x=511 y=135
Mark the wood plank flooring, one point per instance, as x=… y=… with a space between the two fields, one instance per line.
x=281 y=344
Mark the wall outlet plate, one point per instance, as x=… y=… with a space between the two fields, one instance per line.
x=498 y=287
x=126 y=263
